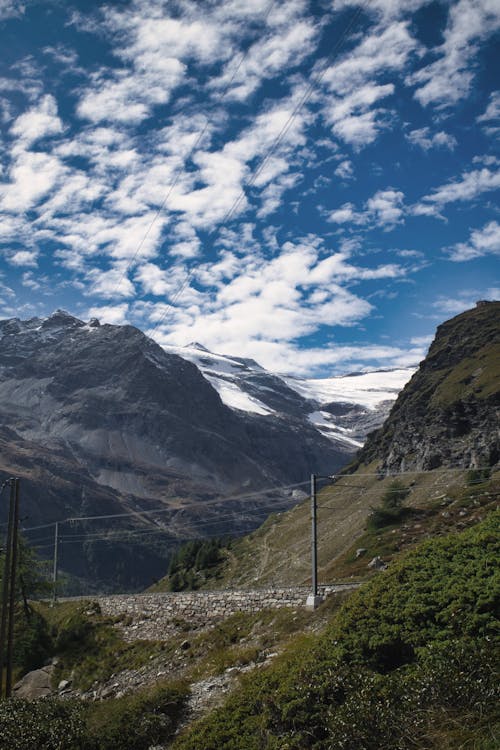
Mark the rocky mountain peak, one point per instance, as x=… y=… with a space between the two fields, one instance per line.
x=448 y=414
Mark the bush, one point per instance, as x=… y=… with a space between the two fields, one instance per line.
x=391 y=512
x=136 y=721
x=45 y=724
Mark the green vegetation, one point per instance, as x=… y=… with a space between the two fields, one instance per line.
x=134 y=722
x=88 y=646
x=31 y=636
x=391 y=510
x=194 y=564
x=46 y=724
x=408 y=662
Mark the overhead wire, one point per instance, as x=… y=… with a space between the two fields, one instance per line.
x=303 y=99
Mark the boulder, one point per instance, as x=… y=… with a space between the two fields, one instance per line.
x=35 y=684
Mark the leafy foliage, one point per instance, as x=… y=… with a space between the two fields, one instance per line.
x=137 y=721
x=46 y=724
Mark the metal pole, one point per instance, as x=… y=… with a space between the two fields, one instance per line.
x=13 y=565
x=6 y=580
x=314 y=536
x=54 y=572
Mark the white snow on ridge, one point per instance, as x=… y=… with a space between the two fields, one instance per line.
x=232 y=395
x=323 y=421
x=367 y=389
x=223 y=373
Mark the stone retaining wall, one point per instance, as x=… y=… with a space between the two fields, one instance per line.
x=152 y=616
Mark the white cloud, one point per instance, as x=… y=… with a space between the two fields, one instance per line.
x=256 y=304
x=492 y=111
x=426 y=140
x=386 y=207
x=114 y=314
x=485 y=241
x=467 y=188
x=38 y=122
x=345 y=170
x=111 y=283
x=286 y=48
x=11 y=9
x=346 y=214
x=449 y=78
x=354 y=83
x=386 y=9
x=464 y=300
x=32 y=176
x=24 y=258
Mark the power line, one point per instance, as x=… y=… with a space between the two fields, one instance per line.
x=199 y=503
x=189 y=155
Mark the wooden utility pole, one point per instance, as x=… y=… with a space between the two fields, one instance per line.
x=6 y=581
x=12 y=593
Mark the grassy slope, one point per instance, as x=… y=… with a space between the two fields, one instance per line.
x=407 y=663
x=279 y=551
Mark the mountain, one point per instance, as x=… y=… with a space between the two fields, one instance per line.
x=99 y=419
x=448 y=414
x=440 y=441
x=343 y=408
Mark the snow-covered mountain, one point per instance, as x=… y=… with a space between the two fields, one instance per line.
x=343 y=408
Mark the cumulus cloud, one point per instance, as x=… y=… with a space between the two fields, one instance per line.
x=384 y=209
x=426 y=140
x=38 y=122
x=449 y=78
x=464 y=300
x=114 y=314
x=255 y=302
x=467 y=188
x=345 y=170
x=485 y=241
x=354 y=84
x=24 y=258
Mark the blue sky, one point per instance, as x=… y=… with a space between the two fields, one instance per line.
x=312 y=184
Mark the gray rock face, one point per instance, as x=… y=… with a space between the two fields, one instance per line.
x=449 y=412
x=99 y=419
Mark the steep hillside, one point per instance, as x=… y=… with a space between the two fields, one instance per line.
x=449 y=412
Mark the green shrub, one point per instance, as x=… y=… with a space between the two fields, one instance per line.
x=136 y=721
x=391 y=511
x=46 y=724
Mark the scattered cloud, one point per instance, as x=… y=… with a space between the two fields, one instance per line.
x=464 y=300
x=448 y=79
x=114 y=314
x=24 y=258
x=426 y=140
x=355 y=85
x=38 y=122
x=485 y=241
x=467 y=188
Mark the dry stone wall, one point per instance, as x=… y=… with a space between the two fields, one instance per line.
x=154 y=616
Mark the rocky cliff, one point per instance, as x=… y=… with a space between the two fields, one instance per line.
x=448 y=413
